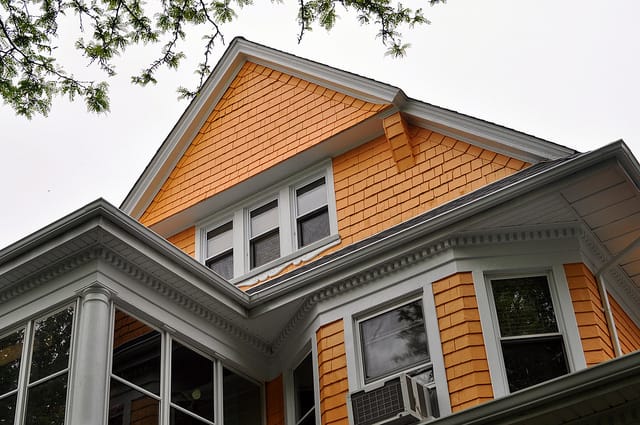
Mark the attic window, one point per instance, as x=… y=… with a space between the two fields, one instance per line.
x=272 y=228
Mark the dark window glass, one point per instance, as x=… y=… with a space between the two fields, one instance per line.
x=534 y=360
x=303 y=392
x=222 y=264
x=46 y=402
x=313 y=227
x=524 y=306
x=312 y=213
x=181 y=418
x=265 y=248
x=10 y=353
x=8 y=409
x=394 y=340
x=51 y=345
x=242 y=405
x=130 y=407
x=192 y=381
x=220 y=250
x=136 y=352
x=532 y=348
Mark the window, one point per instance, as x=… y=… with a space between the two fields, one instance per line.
x=393 y=341
x=312 y=213
x=190 y=394
x=264 y=237
x=304 y=397
x=532 y=346
x=271 y=228
x=220 y=250
x=34 y=361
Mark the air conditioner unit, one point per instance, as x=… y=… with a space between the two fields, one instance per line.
x=400 y=401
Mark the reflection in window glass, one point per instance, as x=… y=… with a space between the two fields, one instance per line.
x=10 y=353
x=303 y=392
x=180 y=418
x=46 y=402
x=192 y=381
x=128 y=406
x=532 y=347
x=242 y=404
x=8 y=409
x=394 y=341
x=51 y=345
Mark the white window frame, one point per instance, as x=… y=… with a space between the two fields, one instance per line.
x=496 y=338
x=164 y=398
x=239 y=214
x=26 y=355
x=358 y=319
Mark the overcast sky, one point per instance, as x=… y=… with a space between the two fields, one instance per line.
x=565 y=71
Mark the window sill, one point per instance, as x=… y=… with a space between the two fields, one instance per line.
x=274 y=267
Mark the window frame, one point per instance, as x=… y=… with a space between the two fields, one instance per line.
x=359 y=345
x=239 y=215
x=26 y=356
x=495 y=325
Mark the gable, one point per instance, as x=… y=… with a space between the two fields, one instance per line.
x=263 y=118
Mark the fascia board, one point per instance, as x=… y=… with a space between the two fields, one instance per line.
x=289 y=289
x=483 y=133
x=194 y=117
x=582 y=386
x=104 y=215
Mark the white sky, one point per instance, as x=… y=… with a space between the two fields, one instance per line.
x=565 y=71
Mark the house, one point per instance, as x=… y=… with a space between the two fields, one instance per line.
x=309 y=246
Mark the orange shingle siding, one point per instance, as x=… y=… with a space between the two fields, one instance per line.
x=274 y=399
x=628 y=331
x=465 y=357
x=587 y=304
x=263 y=118
x=371 y=195
x=332 y=371
x=127 y=328
x=185 y=240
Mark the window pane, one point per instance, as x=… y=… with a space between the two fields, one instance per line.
x=242 y=403
x=533 y=360
x=192 y=381
x=313 y=227
x=51 y=344
x=222 y=264
x=136 y=352
x=220 y=239
x=265 y=248
x=8 y=410
x=264 y=218
x=311 y=197
x=181 y=418
x=10 y=353
x=303 y=388
x=130 y=407
x=524 y=306
x=394 y=340
x=46 y=402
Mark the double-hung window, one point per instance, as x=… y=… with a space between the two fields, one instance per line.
x=271 y=228
x=533 y=348
x=393 y=341
x=34 y=371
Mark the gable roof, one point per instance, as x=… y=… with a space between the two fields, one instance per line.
x=481 y=133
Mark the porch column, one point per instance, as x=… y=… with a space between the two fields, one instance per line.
x=89 y=385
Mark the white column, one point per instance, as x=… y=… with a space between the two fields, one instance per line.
x=90 y=377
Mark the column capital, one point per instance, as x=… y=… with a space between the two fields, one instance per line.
x=96 y=291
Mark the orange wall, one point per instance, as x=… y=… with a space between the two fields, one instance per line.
x=587 y=304
x=263 y=118
x=332 y=370
x=628 y=331
x=185 y=240
x=275 y=402
x=465 y=358
x=127 y=328
x=372 y=195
